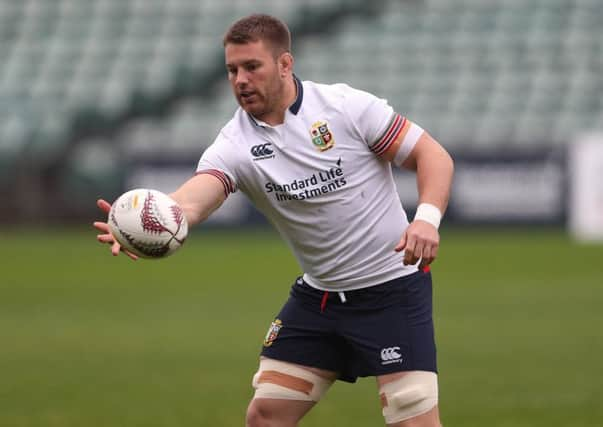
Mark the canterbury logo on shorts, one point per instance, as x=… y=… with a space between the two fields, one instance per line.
x=391 y=355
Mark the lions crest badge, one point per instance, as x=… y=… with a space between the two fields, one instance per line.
x=272 y=333
x=322 y=138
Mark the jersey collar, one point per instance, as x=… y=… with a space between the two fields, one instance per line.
x=293 y=108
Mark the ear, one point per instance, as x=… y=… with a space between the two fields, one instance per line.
x=285 y=62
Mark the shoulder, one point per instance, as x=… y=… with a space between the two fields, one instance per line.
x=228 y=139
x=328 y=92
x=233 y=129
x=339 y=95
x=232 y=134
x=337 y=90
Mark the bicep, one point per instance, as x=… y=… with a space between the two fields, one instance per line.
x=426 y=148
x=200 y=196
x=412 y=145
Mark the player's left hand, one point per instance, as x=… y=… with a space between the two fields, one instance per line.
x=107 y=237
x=421 y=240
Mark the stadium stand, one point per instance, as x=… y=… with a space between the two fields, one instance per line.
x=68 y=60
x=478 y=74
x=132 y=77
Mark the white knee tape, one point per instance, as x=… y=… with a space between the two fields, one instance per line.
x=282 y=380
x=413 y=394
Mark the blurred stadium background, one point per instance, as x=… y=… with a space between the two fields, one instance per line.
x=99 y=96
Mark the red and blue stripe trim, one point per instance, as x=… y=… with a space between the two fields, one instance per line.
x=390 y=135
x=229 y=186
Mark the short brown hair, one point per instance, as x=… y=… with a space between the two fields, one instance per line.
x=260 y=27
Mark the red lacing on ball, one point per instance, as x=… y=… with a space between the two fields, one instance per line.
x=177 y=214
x=149 y=222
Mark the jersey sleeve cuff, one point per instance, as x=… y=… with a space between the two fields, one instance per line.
x=229 y=186
x=389 y=136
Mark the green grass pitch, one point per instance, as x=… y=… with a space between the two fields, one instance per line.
x=89 y=340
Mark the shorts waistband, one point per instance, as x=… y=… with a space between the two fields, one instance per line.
x=358 y=292
x=362 y=294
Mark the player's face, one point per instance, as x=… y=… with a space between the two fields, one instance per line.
x=255 y=77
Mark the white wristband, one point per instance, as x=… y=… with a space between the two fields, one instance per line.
x=429 y=213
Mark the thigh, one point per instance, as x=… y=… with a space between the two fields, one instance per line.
x=409 y=399
x=285 y=392
x=276 y=379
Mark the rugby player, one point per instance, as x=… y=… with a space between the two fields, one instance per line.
x=317 y=161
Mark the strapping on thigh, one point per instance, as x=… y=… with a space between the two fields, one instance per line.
x=282 y=380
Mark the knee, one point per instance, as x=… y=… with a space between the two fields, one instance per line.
x=257 y=415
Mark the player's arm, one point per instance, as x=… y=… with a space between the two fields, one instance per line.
x=434 y=168
x=432 y=163
x=198 y=197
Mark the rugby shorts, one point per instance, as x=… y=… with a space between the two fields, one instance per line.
x=367 y=332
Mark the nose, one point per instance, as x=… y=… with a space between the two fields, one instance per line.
x=241 y=78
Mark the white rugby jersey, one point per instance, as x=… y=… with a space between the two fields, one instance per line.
x=319 y=179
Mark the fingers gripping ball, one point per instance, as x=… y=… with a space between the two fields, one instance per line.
x=148 y=223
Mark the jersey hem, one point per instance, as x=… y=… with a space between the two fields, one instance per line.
x=317 y=284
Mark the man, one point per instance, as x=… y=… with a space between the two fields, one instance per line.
x=316 y=160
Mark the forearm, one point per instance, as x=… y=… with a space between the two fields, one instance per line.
x=199 y=197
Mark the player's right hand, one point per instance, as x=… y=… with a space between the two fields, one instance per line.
x=107 y=237
x=420 y=241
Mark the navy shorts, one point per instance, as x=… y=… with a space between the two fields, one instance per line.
x=378 y=330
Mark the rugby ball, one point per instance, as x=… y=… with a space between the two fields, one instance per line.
x=148 y=223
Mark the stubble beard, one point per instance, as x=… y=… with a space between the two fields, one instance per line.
x=267 y=102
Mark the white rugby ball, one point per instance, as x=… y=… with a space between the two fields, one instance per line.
x=148 y=223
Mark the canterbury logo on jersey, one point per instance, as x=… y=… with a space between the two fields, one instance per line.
x=391 y=355
x=262 y=151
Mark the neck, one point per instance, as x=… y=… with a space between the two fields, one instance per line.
x=277 y=116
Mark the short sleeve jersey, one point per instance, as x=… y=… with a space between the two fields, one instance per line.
x=320 y=180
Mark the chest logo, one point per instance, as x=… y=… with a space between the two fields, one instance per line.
x=262 y=151
x=322 y=138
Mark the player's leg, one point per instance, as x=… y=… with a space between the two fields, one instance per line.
x=300 y=360
x=409 y=399
x=391 y=327
x=275 y=412
x=285 y=392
